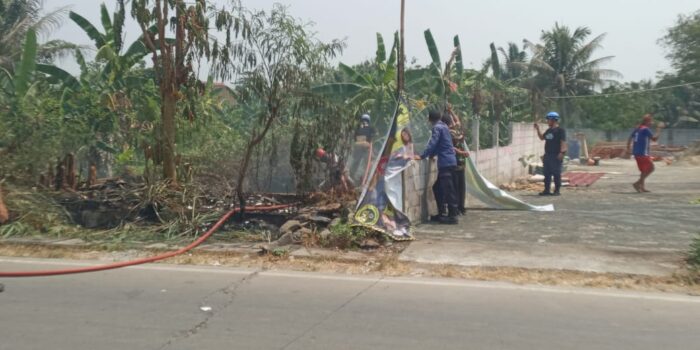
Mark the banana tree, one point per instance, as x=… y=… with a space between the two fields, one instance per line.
x=437 y=85
x=373 y=91
x=109 y=45
x=19 y=90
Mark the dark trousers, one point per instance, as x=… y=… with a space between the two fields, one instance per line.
x=444 y=191
x=460 y=186
x=552 y=169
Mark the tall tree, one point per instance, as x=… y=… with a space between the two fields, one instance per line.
x=514 y=66
x=278 y=63
x=174 y=59
x=683 y=42
x=681 y=105
x=562 y=64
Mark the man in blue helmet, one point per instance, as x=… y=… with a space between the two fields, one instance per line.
x=361 y=150
x=555 y=148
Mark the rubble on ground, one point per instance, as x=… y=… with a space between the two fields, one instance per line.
x=691 y=155
x=609 y=150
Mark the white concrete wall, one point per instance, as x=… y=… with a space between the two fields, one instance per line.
x=669 y=137
x=498 y=165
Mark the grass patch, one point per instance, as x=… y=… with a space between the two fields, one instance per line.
x=694 y=253
x=343 y=236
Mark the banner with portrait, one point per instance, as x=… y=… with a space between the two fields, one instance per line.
x=380 y=206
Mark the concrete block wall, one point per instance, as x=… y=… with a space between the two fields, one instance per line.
x=669 y=137
x=418 y=193
x=502 y=164
x=499 y=166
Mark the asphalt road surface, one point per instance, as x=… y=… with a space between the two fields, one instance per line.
x=186 y=307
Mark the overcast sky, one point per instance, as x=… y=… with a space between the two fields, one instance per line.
x=633 y=27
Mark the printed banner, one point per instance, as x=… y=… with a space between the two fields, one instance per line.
x=380 y=206
x=492 y=196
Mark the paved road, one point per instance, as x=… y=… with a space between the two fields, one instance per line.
x=159 y=307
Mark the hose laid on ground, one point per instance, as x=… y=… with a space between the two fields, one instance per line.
x=117 y=265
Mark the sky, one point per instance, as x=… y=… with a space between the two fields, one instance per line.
x=632 y=28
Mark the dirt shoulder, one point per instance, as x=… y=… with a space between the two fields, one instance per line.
x=384 y=263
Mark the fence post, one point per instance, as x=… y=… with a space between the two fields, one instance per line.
x=475 y=138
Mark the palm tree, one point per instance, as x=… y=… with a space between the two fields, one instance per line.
x=514 y=60
x=563 y=64
x=17 y=17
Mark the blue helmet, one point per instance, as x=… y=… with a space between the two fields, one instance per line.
x=553 y=115
x=365 y=118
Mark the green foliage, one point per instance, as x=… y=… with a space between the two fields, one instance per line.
x=344 y=236
x=17 y=18
x=682 y=41
x=618 y=111
x=280 y=252
x=366 y=88
x=694 y=253
x=562 y=64
x=27 y=64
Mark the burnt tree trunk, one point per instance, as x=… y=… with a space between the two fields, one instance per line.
x=60 y=178
x=69 y=164
x=92 y=176
x=4 y=214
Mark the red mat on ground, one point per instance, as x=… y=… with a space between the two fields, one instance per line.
x=582 y=179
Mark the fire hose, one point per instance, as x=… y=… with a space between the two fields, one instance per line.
x=117 y=265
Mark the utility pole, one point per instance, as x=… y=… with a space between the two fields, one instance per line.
x=402 y=52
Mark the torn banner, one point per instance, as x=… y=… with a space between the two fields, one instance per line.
x=380 y=206
x=492 y=196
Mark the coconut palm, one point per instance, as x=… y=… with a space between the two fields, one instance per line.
x=562 y=64
x=514 y=60
x=17 y=17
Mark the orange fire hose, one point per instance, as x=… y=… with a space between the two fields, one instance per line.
x=117 y=265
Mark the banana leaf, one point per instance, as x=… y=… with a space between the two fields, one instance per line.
x=89 y=29
x=459 y=63
x=381 y=50
x=59 y=75
x=27 y=65
x=432 y=48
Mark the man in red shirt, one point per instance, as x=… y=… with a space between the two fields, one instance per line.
x=642 y=137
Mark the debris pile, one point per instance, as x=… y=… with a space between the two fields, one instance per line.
x=309 y=226
x=691 y=155
x=609 y=150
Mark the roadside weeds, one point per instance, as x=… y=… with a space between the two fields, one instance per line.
x=685 y=281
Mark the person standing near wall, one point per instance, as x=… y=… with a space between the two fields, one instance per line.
x=555 y=148
x=440 y=145
x=642 y=137
x=460 y=181
x=361 y=150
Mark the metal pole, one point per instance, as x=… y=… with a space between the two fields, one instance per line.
x=402 y=45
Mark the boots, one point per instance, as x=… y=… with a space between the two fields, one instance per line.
x=451 y=218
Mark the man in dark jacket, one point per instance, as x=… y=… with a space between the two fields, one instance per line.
x=440 y=145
